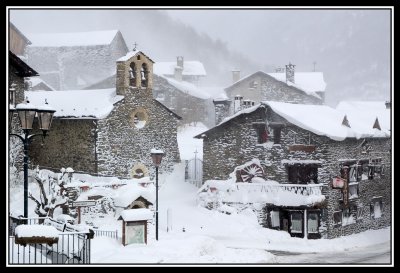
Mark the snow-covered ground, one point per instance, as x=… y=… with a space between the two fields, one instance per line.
x=189 y=233
x=198 y=235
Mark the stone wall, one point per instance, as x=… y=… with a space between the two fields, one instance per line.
x=190 y=108
x=70 y=143
x=17 y=83
x=122 y=146
x=235 y=143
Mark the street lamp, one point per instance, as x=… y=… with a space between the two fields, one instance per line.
x=157 y=155
x=26 y=113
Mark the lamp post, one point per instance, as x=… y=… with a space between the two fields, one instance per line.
x=157 y=155
x=26 y=113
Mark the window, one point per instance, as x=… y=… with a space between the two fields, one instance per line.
x=376 y=208
x=139 y=118
x=302 y=173
x=353 y=190
x=144 y=74
x=312 y=222
x=253 y=84
x=274 y=218
x=296 y=222
x=132 y=74
x=337 y=218
x=262 y=134
x=360 y=213
x=348 y=215
x=276 y=128
x=375 y=168
x=12 y=97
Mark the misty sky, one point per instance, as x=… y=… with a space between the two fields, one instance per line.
x=351 y=47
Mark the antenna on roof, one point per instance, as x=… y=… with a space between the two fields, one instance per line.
x=134 y=46
x=314 y=63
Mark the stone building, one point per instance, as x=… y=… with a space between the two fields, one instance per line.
x=72 y=61
x=110 y=131
x=329 y=166
x=288 y=86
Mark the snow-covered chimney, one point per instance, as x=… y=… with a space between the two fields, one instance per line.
x=235 y=75
x=178 y=73
x=290 y=72
x=221 y=107
x=179 y=61
x=238 y=103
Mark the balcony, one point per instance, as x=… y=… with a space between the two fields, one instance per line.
x=277 y=194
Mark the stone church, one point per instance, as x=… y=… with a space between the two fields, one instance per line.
x=109 y=131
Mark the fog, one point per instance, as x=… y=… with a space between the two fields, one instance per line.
x=351 y=47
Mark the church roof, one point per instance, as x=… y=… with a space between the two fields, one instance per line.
x=131 y=54
x=90 y=38
x=190 y=68
x=77 y=103
x=327 y=122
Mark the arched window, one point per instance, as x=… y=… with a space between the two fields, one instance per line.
x=144 y=71
x=132 y=74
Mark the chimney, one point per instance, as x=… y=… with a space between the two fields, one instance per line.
x=290 y=72
x=178 y=73
x=179 y=61
x=238 y=103
x=388 y=104
x=221 y=107
x=235 y=75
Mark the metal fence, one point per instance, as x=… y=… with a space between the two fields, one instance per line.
x=106 y=233
x=73 y=247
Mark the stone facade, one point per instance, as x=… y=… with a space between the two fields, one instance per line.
x=236 y=142
x=190 y=108
x=119 y=144
x=70 y=143
x=75 y=67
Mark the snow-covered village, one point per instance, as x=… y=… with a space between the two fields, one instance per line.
x=158 y=137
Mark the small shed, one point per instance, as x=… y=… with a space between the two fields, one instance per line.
x=134 y=225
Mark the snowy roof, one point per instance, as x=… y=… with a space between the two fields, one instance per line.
x=36 y=230
x=131 y=54
x=125 y=195
x=217 y=93
x=136 y=215
x=77 y=103
x=36 y=81
x=90 y=38
x=188 y=88
x=306 y=81
x=366 y=111
x=327 y=121
x=190 y=68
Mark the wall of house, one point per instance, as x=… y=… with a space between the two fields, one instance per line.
x=236 y=143
x=71 y=68
x=70 y=143
x=190 y=108
x=17 y=42
x=269 y=89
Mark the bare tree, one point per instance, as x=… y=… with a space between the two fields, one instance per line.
x=56 y=197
